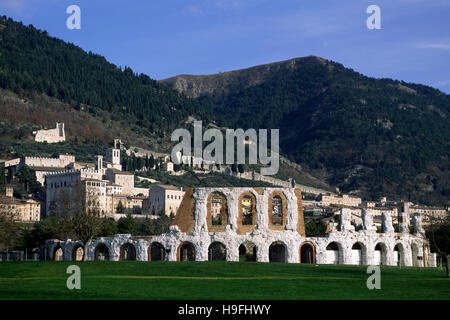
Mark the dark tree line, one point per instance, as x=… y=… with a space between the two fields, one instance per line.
x=32 y=61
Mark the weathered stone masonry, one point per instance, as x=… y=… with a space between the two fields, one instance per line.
x=193 y=236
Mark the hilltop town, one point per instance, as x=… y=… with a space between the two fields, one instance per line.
x=119 y=191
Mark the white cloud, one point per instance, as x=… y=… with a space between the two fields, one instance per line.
x=441 y=46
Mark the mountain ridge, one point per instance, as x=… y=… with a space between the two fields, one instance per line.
x=224 y=81
x=364 y=135
x=371 y=137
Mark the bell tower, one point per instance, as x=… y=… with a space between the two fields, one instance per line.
x=113 y=155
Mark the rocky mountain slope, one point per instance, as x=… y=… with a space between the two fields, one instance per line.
x=364 y=135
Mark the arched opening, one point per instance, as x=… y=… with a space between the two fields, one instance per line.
x=277 y=211
x=186 y=252
x=101 y=252
x=77 y=253
x=333 y=253
x=307 y=253
x=380 y=254
x=127 y=252
x=247 y=251
x=217 y=212
x=277 y=252
x=357 y=254
x=156 y=252
x=217 y=251
x=58 y=254
x=246 y=220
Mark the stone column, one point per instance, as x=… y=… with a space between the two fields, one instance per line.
x=200 y=213
x=370 y=248
x=292 y=248
x=292 y=212
x=201 y=249
x=232 y=251
x=345 y=253
x=346 y=218
x=141 y=250
x=367 y=217
x=262 y=221
x=233 y=205
x=403 y=218
x=408 y=255
x=387 y=223
x=262 y=253
x=171 y=252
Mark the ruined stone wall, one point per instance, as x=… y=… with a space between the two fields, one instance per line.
x=347 y=246
x=61 y=162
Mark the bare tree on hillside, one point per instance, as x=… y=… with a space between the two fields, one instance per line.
x=439 y=233
x=79 y=212
x=9 y=230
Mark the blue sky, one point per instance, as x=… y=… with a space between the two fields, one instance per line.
x=171 y=37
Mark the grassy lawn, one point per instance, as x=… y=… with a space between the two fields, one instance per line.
x=216 y=280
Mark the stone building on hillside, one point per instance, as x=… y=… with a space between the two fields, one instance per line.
x=51 y=135
x=103 y=181
x=327 y=199
x=43 y=166
x=163 y=199
x=22 y=210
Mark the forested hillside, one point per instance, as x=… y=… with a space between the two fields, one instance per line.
x=32 y=61
x=369 y=136
x=373 y=136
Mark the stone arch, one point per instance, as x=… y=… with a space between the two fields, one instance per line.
x=186 y=251
x=217 y=251
x=334 y=253
x=278 y=252
x=246 y=219
x=156 y=252
x=101 y=252
x=399 y=255
x=58 y=253
x=277 y=210
x=77 y=252
x=380 y=254
x=217 y=212
x=307 y=252
x=127 y=252
x=359 y=253
x=247 y=251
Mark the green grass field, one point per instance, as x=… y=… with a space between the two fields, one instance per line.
x=216 y=280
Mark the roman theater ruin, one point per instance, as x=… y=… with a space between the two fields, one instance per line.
x=263 y=225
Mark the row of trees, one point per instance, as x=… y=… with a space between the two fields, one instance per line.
x=74 y=216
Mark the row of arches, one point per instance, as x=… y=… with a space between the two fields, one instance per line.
x=217 y=210
x=248 y=252
x=359 y=254
x=186 y=252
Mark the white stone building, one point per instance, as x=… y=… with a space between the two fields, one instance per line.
x=21 y=210
x=163 y=198
x=327 y=199
x=105 y=182
x=51 y=135
x=43 y=166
